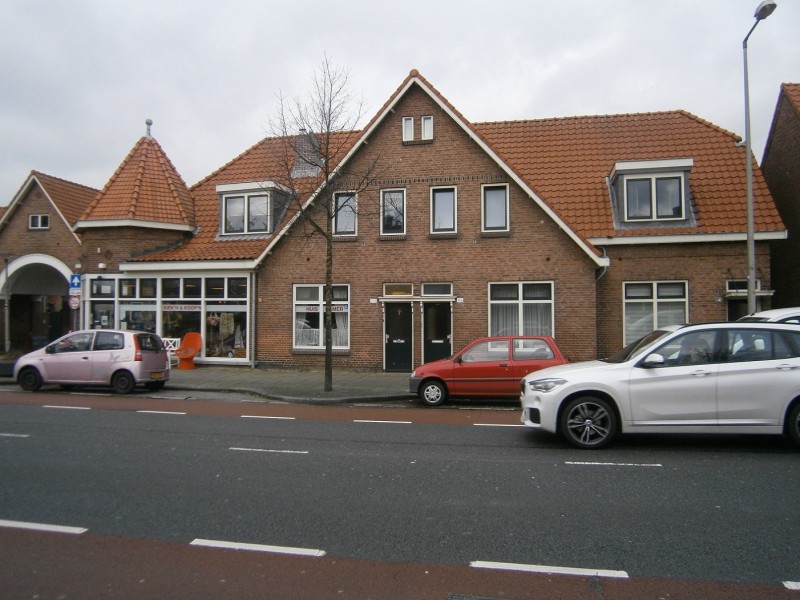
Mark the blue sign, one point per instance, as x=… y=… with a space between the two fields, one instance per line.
x=74 y=282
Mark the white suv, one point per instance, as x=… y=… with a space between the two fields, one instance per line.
x=776 y=315
x=121 y=359
x=712 y=378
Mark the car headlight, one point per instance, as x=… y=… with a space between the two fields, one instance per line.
x=545 y=385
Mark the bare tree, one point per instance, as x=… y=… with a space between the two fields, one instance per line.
x=316 y=134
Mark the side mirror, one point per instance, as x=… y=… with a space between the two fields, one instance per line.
x=653 y=361
x=458 y=359
x=50 y=349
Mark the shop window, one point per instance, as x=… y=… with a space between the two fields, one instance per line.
x=309 y=309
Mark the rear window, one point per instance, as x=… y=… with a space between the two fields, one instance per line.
x=148 y=341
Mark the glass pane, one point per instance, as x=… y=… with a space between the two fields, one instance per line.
x=494 y=208
x=225 y=334
x=398 y=289
x=307 y=326
x=234 y=214
x=671 y=313
x=668 y=197
x=639 y=320
x=171 y=287
x=537 y=319
x=444 y=210
x=147 y=288
x=504 y=291
x=127 y=288
x=637 y=194
x=504 y=319
x=103 y=288
x=340 y=329
x=672 y=290
x=259 y=209
x=437 y=289
x=215 y=287
x=340 y=293
x=486 y=351
x=191 y=287
x=638 y=290
x=345 y=218
x=427 y=128
x=307 y=293
x=237 y=287
x=393 y=212
x=408 y=129
x=536 y=291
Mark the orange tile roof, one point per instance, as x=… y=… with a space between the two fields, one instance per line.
x=145 y=187
x=792 y=92
x=566 y=162
x=70 y=198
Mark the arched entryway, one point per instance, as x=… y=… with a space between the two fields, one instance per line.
x=34 y=290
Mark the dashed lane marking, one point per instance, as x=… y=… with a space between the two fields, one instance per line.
x=268 y=450
x=258 y=547
x=42 y=527
x=549 y=569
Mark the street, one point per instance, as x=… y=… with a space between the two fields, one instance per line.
x=265 y=491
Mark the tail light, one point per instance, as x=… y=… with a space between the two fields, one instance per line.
x=137 y=349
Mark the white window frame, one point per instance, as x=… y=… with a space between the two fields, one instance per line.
x=383 y=206
x=454 y=229
x=39 y=221
x=318 y=307
x=337 y=211
x=654 y=299
x=408 y=129
x=507 y=225
x=654 y=178
x=426 y=128
x=521 y=302
x=246 y=199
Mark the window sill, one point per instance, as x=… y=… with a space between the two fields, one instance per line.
x=320 y=351
x=345 y=238
x=417 y=142
x=495 y=234
x=391 y=237
x=445 y=235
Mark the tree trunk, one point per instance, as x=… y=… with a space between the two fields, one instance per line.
x=328 y=311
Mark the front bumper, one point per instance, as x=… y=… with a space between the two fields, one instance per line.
x=413 y=384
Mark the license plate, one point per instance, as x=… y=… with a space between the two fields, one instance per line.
x=157 y=375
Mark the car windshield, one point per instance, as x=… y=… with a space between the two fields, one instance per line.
x=635 y=348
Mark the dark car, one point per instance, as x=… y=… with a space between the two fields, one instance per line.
x=487 y=367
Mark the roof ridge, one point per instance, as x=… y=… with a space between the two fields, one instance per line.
x=112 y=179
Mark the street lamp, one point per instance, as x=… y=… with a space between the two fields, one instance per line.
x=764 y=10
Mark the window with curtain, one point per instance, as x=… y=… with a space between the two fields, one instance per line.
x=653 y=304
x=309 y=316
x=521 y=308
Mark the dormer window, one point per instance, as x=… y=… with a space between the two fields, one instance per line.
x=651 y=190
x=250 y=208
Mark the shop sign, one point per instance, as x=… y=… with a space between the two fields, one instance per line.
x=181 y=307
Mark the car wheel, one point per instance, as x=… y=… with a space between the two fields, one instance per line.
x=433 y=393
x=588 y=422
x=154 y=386
x=793 y=424
x=29 y=380
x=123 y=382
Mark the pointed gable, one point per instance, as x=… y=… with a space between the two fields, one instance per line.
x=145 y=190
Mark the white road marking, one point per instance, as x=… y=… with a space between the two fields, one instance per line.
x=160 y=412
x=549 y=569
x=269 y=450
x=42 y=527
x=67 y=407
x=378 y=421
x=15 y=435
x=258 y=547
x=612 y=464
x=792 y=585
x=263 y=417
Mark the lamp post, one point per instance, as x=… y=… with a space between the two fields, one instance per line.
x=764 y=10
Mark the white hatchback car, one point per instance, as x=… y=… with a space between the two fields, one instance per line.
x=121 y=359
x=711 y=378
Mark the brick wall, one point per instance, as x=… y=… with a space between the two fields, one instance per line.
x=114 y=245
x=781 y=170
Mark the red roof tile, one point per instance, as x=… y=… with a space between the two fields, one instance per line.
x=70 y=198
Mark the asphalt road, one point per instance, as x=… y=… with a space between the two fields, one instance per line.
x=463 y=492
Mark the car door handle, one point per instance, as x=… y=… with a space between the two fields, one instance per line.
x=84 y=358
x=701 y=373
x=503 y=365
x=786 y=367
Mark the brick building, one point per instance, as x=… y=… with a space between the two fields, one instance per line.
x=592 y=229
x=781 y=167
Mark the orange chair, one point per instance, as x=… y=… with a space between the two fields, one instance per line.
x=190 y=346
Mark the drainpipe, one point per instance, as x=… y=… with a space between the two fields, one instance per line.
x=604 y=269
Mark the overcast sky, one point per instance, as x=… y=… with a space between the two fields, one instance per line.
x=79 y=78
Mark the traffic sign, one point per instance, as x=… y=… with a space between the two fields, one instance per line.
x=74 y=302
x=74 y=282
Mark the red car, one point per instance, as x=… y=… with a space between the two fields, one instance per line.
x=487 y=367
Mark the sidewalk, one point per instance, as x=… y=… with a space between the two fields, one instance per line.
x=289 y=385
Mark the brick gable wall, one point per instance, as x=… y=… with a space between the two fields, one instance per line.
x=782 y=171
x=534 y=250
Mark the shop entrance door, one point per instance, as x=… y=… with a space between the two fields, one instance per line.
x=436 y=330
x=398 y=336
